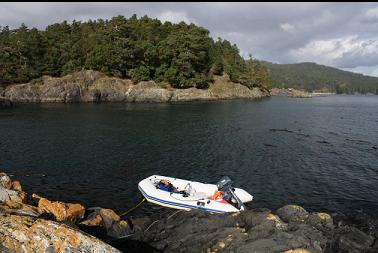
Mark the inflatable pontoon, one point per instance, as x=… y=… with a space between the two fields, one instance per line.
x=184 y=194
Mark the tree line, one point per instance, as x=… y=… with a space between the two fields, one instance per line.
x=183 y=55
x=319 y=78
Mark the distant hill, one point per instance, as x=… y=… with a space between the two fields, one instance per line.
x=315 y=77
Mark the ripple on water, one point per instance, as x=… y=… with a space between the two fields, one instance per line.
x=321 y=153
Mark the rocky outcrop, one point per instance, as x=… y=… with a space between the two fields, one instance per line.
x=300 y=94
x=93 y=86
x=22 y=228
x=61 y=211
x=290 y=92
x=10 y=190
x=251 y=231
x=27 y=234
x=105 y=222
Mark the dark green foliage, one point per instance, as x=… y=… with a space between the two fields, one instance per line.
x=141 y=49
x=314 y=77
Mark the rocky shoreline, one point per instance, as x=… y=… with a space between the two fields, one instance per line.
x=31 y=223
x=5 y=103
x=93 y=86
x=290 y=92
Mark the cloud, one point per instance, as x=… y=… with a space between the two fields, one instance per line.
x=286 y=27
x=345 y=52
x=372 y=13
x=175 y=17
x=375 y=72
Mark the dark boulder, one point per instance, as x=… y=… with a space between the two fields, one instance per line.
x=350 y=240
x=105 y=223
x=292 y=213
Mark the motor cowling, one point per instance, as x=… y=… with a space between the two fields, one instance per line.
x=225 y=185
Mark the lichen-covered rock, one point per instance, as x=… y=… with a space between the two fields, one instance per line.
x=320 y=220
x=106 y=223
x=61 y=211
x=26 y=234
x=19 y=208
x=290 y=213
x=6 y=194
x=16 y=185
x=5 y=181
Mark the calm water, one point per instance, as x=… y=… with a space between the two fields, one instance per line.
x=320 y=152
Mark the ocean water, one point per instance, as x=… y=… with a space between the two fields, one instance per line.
x=320 y=153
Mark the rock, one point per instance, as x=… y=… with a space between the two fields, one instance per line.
x=26 y=234
x=5 y=181
x=148 y=92
x=290 y=92
x=18 y=208
x=297 y=251
x=5 y=103
x=93 y=86
x=351 y=240
x=320 y=221
x=299 y=94
x=6 y=194
x=16 y=185
x=105 y=222
x=303 y=237
x=195 y=231
x=61 y=211
x=292 y=213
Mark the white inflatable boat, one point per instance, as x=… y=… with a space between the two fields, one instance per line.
x=183 y=194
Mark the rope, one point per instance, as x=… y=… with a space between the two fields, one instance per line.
x=124 y=213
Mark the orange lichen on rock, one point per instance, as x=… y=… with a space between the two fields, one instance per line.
x=26 y=234
x=16 y=185
x=61 y=211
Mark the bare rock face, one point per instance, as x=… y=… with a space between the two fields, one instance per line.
x=290 y=213
x=93 y=86
x=106 y=223
x=26 y=234
x=61 y=211
x=148 y=91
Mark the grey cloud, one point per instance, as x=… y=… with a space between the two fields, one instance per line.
x=255 y=27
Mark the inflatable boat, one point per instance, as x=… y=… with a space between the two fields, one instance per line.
x=184 y=194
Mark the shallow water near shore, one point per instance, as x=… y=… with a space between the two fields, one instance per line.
x=320 y=153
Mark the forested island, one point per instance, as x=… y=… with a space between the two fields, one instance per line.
x=140 y=49
x=107 y=60
x=319 y=78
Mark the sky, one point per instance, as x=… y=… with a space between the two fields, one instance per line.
x=341 y=35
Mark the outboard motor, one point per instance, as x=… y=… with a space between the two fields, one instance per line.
x=225 y=185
